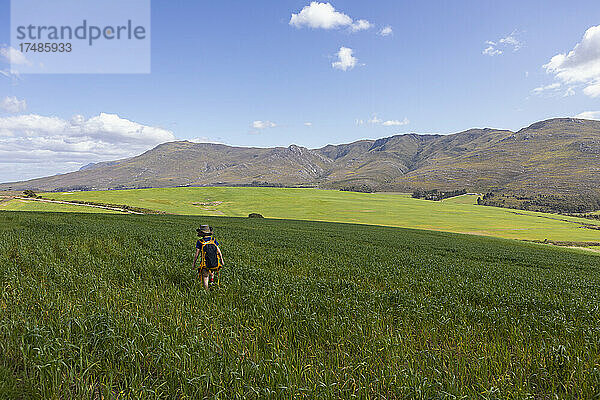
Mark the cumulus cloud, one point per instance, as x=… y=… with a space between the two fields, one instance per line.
x=360 y=25
x=309 y=124
x=13 y=105
x=318 y=15
x=580 y=65
x=589 y=115
x=346 y=59
x=35 y=145
x=386 y=31
x=496 y=48
x=263 y=124
x=14 y=56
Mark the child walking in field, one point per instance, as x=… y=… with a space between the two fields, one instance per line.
x=211 y=258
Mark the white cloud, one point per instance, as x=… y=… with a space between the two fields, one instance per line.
x=345 y=60
x=14 y=56
x=318 y=15
x=263 y=124
x=491 y=50
x=580 y=65
x=12 y=75
x=386 y=31
x=13 y=105
x=569 y=92
x=360 y=25
x=395 y=122
x=309 y=124
x=204 y=139
x=592 y=90
x=511 y=41
x=375 y=120
x=496 y=48
x=589 y=115
x=542 y=89
x=35 y=145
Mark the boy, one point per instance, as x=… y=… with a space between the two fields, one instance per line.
x=211 y=258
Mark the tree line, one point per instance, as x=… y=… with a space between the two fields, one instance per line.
x=437 y=195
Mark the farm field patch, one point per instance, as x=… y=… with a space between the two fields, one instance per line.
x=458 y=214
x=99 y=305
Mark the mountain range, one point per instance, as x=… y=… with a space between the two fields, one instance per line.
x=559 y=156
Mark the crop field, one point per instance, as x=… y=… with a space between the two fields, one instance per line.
x=24 y=205
x=108 y=306
x=459 y=214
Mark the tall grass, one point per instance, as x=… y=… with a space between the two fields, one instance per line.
x=104 y=306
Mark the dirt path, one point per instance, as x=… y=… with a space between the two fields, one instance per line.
x=83 y=205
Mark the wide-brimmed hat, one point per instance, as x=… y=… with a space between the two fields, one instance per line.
x=204 y=230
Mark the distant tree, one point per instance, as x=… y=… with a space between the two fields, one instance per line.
x=562 y=204
x=30 y=193
x=418 y=194
x=255 y=215
x=358 y=188
x=437 y=195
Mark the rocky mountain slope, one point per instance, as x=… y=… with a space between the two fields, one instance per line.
x=553 y=156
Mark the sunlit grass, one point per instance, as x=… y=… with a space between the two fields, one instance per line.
x=31 y=205
x=108 y=305
x=459 y=215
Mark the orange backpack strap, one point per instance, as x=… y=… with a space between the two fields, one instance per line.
x=203 y=260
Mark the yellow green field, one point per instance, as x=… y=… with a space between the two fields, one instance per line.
x=459 y=214
x=30 y=205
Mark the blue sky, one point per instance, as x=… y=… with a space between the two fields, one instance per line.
x=240 y=73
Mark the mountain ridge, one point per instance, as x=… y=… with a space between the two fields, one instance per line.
x=560 y=155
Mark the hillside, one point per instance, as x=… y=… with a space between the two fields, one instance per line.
x=554 y=156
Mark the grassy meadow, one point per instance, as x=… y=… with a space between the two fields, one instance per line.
x=460 y=214
x=108 y=306
x=25 y=205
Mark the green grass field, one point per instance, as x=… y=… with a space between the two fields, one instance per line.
x=459 y=214
x=24 y=205
x=107 y=306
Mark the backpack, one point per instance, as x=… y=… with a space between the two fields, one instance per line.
x=210 y=255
